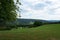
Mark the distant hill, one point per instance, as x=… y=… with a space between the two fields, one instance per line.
x=29 y=21
x=53 y=20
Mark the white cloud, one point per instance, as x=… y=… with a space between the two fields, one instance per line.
x=50 y=12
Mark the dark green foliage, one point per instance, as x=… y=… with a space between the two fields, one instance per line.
x=37 y=23
x=8 y=12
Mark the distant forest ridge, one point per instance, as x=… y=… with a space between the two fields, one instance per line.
x=28 y=21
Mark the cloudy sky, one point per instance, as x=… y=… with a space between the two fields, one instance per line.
x=40 y=9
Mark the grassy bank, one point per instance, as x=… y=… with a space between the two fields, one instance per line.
x=45 y=32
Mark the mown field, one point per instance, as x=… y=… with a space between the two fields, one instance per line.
x=45 y=32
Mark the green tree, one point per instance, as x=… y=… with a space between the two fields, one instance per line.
x=38 y=23
x=8 y=10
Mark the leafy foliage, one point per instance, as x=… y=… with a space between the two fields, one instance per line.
x=8 y=10
x=37 y=23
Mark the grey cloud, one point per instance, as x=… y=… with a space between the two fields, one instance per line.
x=39 y=6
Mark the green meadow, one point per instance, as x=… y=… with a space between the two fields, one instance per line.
x=45 y=32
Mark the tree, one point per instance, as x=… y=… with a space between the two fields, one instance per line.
x=8 y=10
x=38 y=23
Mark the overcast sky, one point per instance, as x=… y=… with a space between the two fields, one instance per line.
x=40 y=9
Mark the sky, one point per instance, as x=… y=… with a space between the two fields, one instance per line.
x=40 y=9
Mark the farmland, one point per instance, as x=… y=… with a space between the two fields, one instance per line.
x=45 y=32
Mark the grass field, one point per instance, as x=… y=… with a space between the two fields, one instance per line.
x=45 y=32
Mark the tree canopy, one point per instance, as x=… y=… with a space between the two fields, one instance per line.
x=8 y=10
x=38 y=23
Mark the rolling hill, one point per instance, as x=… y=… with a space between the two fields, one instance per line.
x=28 y=21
